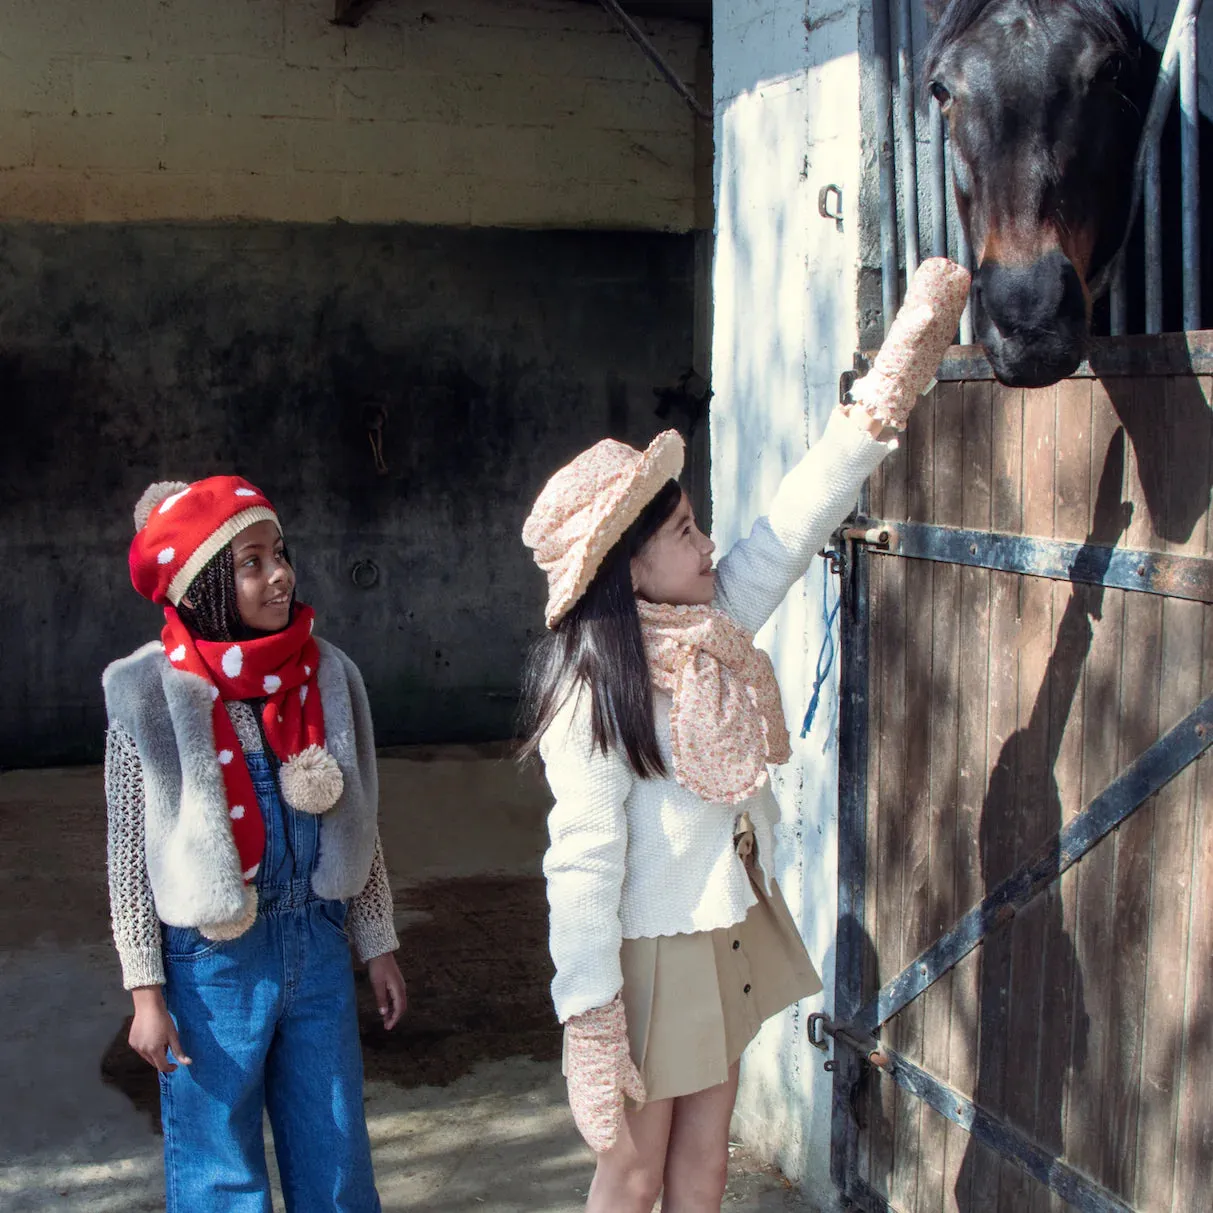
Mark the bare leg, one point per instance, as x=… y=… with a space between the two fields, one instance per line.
x=697 y=1157
x=628 y=1178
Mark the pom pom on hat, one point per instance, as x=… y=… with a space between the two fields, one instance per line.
x=312 y=781
x=221 y=932
x=152 y=496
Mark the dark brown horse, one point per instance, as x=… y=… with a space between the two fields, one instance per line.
x=1044 y=101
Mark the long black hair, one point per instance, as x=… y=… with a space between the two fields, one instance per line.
x=214 y=613
x=598 y=648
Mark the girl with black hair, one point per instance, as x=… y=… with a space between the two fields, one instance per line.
x=656 y=718
x=244 y=857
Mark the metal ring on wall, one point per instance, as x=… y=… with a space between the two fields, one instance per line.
x=365 y=574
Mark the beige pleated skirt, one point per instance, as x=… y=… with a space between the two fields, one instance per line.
x=695 y=1001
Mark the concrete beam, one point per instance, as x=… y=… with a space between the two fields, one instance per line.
x=351 y=12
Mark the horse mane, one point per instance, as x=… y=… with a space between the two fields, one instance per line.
x=1110 y=20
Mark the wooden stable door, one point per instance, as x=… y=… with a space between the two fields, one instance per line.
x=1026 y=835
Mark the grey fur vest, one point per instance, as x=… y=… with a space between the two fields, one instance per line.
x=191 y=858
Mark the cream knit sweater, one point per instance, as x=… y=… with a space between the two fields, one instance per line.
x=634 y=858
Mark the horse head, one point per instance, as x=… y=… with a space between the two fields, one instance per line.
x=1043 y=100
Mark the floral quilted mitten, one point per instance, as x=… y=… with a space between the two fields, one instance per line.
x=600 y=1073
x=919 y=336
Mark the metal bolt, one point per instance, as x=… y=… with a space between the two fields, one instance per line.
x=1141 y=570
x=972 y=549
x=1200 y=730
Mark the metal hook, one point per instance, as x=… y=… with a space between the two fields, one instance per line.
x=823 y=204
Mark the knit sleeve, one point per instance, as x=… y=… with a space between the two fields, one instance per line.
x=370 y=920
x=132 y=909
x=584 y=864
x=756 y=573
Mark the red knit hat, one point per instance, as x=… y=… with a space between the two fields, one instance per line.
x=182 y=526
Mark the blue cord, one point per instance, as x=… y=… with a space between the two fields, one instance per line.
x=825 y=658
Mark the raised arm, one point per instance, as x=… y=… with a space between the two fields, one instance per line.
x=754 y=576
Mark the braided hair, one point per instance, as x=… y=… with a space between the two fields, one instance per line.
x=214 y=614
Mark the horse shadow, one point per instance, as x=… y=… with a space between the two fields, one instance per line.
x=1023 y=1071
x=1172 y=444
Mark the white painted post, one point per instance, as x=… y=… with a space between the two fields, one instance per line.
x=787 y=124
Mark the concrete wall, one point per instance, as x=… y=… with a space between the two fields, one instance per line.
x=135 y=353
x=531 y=113
x=786 y=323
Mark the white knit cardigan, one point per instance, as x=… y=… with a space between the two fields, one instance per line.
x=635 y=858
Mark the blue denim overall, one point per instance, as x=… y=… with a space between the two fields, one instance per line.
x=270 y=1023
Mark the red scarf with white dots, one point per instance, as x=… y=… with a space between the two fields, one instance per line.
x=281 y=669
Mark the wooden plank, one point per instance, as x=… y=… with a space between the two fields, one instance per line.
x=1170 y=906
x=915 y=922
x=1194 y=1146
x=914 y=806
x=888 y=805
x=1031 y=802
x=997 y=827
x=1071 y=515
x=1134 y=842
x=934 y=1183
x=971 y=776
x=1094 y=939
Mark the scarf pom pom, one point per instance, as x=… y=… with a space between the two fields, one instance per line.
x=221 y=932
x=312 y=781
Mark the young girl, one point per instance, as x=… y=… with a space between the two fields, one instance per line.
x=243 y=855
x=656 y=717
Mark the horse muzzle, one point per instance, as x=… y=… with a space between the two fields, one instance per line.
x=1032 y=319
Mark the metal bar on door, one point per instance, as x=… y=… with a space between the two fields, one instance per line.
x=1117 y=321
x=1189 y=159
x=882 y=67
x=1000 y=1136
x=964 y=255
x=1116 y=568
x=1152 y=221
x=939 y=184
x=1177 y=749
x=906 y=141
x=1146 y=178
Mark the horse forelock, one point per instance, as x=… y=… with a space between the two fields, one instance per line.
x=1110 y=22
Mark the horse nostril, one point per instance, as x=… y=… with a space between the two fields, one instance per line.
x=1024 y=300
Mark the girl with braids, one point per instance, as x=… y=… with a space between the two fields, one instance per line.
x=244 y=856
x=656 y=717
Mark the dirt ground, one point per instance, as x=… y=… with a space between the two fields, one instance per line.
x=465 y=1101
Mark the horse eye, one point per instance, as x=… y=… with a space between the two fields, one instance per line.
x=940 y=93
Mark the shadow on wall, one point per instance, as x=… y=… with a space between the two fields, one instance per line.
x=400 y=393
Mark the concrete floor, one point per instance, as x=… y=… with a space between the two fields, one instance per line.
x=465 y=1101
